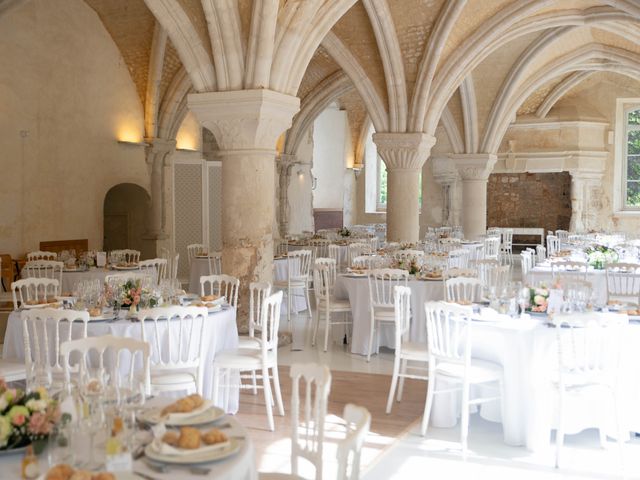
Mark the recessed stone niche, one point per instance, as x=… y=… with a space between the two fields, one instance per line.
x=541 y=200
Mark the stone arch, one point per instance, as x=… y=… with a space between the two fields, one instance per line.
x=560 y=90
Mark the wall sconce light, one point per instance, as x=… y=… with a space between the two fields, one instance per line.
x=134 y=144
x=357 y=168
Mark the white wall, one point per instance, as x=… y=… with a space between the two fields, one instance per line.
x=64 y=83
x=300 y=195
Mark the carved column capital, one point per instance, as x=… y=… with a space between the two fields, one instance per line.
x=406 y=151
x=245 y=120
x=474 y=166
x=158 y=150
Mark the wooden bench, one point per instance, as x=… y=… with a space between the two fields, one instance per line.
x=58 y=246
x=530 y=232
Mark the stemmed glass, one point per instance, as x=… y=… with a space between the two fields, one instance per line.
x=523 y=299
x=93 y=418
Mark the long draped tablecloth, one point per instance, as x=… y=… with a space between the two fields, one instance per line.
x=526 y=350
x=220 y=333
x=356 y=290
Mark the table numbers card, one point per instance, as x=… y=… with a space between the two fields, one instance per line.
x=101 y=259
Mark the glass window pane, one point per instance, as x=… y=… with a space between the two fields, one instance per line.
x=633 y=118
x=633 y=167
x=633 y=142
x=633 y=194
x=382 y=198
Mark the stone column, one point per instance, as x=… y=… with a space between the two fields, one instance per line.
x=403 y=154
x=284 y=163
x=586 y=200
x=157 y=155
x=246 y=125
x=474 y=170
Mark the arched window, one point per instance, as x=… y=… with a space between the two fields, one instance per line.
x=631 y=157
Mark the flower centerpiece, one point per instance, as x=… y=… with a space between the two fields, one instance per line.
x=538 y=299
x=130 y=294
x=599 y=255
x=26 y=418
x=344 y=232
x=409 y=264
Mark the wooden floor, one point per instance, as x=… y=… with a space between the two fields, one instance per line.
x=367 y=390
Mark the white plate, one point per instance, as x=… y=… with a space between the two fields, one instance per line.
x=42 y=305
x=116 y=267
x=208 y=416
x=118 y=475
x=196 y=457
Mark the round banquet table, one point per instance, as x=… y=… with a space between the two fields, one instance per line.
x=199 y=268
x=598 y=279
x=280 y=272
x=220 y=333
x=240 y=466
x=526 y=350
x=356 y=289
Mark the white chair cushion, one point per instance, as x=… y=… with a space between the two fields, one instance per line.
x=166 y=378
x=480 y=371
x=336 y=305
x=243 y=359
x=245 y=341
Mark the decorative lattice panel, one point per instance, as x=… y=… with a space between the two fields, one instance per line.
x=215 y=206
x=187 y=211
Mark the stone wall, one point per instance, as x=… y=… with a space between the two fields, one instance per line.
x=529 y=200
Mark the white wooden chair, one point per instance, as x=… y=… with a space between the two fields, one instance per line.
x=463 y=290
x=43 y=269
x=408 y=255
x=356 y=250
x=367 y=262
x=221 y=285
x=541 y=253
x=111 y=362
x=258 y=292
x=256 y=360
x=623 y=282
x=553 y=245
x=175 y=336
x=476 y=252
x=569 y=267
x=33 y=290
x=458 y=258
x=196 y=249
x=357 y=421
x=448 y=244
x=172 y=267
x=155 y=267
x=326 y=303
x=563 y=236
x=506 y=246
x=297 y=282
x=43 y=331
x=449 y=342
x=334 y=253
x=40 y=255
x=319 y=247
x=492 y=248
x=215 y=263
x=381 y=300
x=127 y=255
x=280 y=247
x=588 y=361
x=526 y=264
x=405 y=350
x=307 y=427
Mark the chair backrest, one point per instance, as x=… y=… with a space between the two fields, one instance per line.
x=491 y=248
x=172 y=269
x=40 y=255
x=156 y=268
x=322 y=283
x=458 y=258
x=476 y=252
x=43 y=269
x=506 y=238
x=365 y=261
x=320 y=247
x=493 y=231
x=222 y=285
x=357 y=421
x=317 y=379
x=330 y=263
x=541 y=253
x=280 y=247
x=334 y=253
x=258 y=292
x=569 y=267
x=381 y=284
x=448 y=332
x=270 y=315
x=402 y=255
x=299 y=264
x=402 y=312
x=33 y=291
x=448 y=244
x=553 y=245
x=623 y=281
x=41 y=324
x=589 y=345
x=117 y=279
x=215 y=263
x=110 y=358
x=526 y=263
x=463 y=290
x=356 y=250
x=125 y=255
x=496 y=278
x=175 y=336
x=196 y=249
x=575 y=288
x=562 y=235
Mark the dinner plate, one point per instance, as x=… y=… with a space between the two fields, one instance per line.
x=210 y=415
x=118 y=475
x=42 y=305
x=196 y=457
x=135 y=267
x=430 y=279
x=12 y=451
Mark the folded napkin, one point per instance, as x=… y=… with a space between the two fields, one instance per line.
x=158 y=446
x=176 y=417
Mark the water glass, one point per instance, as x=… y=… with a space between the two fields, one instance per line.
x=60 y=448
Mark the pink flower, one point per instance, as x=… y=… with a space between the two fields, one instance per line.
x=136 y=299
x=39 y=424
x=18 y=420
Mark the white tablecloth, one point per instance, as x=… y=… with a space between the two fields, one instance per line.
x=241 y=466
x=598 y=279
x=220 y=333
x=526 y=351
x=199 y=268
x=356 y=289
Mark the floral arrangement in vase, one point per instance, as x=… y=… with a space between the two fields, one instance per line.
x=410 y=265
x=599 y=255
x=538 y=299
x=26 y=417
x=130 y=294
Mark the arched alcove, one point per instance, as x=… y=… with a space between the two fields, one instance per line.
x=126 y=210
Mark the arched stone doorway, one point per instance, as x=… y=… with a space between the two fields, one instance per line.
x=126 y=211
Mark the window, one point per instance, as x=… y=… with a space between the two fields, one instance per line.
x=631 y=157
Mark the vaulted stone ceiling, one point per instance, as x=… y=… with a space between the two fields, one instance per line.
x=479 y=62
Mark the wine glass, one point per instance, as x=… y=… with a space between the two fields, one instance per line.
x=523 y=299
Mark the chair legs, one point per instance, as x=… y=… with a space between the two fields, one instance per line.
x=276 y=387
x=394 y=382
x=371 y=334
x=327 y=328
x=267 y=397
x=429 y=401
x=464 y=420
x=403 y=372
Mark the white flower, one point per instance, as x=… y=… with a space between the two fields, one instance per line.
x=36 y=405
x=3 y=403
